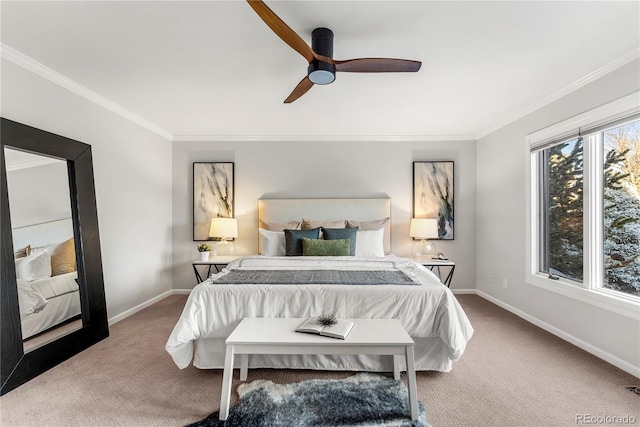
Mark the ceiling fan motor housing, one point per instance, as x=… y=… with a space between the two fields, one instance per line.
x=321 y=72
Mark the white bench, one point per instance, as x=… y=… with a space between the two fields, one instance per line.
x=278 y=336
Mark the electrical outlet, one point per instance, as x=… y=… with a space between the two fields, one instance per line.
x=504 y=283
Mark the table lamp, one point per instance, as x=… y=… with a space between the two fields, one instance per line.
x=224 y=228
x=423 y=228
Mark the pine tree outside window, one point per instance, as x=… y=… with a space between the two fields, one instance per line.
x=583 y=209
x=621 y=218
x=562 y=210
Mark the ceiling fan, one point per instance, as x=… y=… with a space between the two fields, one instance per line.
x=322 y=67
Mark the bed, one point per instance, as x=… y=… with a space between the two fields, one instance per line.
x=48 y=293
x=272 y=285
x=52 y=301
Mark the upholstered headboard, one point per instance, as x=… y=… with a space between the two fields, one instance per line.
x=286 y=210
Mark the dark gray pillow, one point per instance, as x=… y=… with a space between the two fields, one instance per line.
x=342 y=233
x=293 y=240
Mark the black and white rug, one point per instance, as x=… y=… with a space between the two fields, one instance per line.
x=361 y=400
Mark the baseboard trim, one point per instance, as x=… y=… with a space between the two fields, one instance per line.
x=464 y=291
x=596 y=351
x=181 y=291
x=139 y=307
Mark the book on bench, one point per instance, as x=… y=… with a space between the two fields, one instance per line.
x=339 y=330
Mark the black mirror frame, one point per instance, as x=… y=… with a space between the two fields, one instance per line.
x=16 y=366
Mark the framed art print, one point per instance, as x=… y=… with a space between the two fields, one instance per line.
x=433 y=194
x=213 y=195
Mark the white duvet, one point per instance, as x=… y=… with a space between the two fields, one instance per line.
x=56 y=285
x=428 y=310
x=61 y=302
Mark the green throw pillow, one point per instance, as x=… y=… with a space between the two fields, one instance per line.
x=316 y=247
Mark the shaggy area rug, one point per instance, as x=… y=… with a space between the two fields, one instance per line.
x=361 y=400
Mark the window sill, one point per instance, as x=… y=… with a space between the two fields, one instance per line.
x=625 y=305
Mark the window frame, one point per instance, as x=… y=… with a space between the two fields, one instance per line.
x=589 y=291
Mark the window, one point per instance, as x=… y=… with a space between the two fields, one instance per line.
x=584 y=205
x=621 y=207
x=561 y=210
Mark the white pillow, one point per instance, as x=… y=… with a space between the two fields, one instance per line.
x=273 y=242
x=370 y=243
x=40 y=249
x=29 y=300
x=18 y=262
x=35 y=266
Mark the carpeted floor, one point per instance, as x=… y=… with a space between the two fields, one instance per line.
x=512 y=374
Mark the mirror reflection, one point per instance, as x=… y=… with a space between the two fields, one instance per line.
x=43 y=243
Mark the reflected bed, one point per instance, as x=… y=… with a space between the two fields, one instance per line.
x=62 y=303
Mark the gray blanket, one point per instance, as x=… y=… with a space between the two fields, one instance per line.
x=314 y=277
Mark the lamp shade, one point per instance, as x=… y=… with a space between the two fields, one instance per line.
x=223 y=227
x=424 y=228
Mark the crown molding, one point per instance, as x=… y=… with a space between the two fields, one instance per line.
x=589 y=78
x=322 y=138
x=31 y=163
x=621 y=107
x=30 y=64
x=36 y=67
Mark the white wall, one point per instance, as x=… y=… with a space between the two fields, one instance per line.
x=501 y=229
x=132 y=169
x=325 y=169
x=39 y=194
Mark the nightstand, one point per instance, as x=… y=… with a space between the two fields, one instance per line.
x=437 y=264
x=216 y=262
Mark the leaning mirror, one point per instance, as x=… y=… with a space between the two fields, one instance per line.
x=43 y=246
x=52 y=303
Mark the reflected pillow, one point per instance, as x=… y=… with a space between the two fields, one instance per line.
x=308 y=224
x=22 y=253
x=63 y=258
x=293 y=240
x=39 y=249
x=317 y=247
x=272 y=242
x=342 y=233
x=34 y=267
x=19 y=261
x=370 y=243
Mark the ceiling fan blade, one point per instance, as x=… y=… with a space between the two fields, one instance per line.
x=302 y=88
x=378 y=65
x=282 y=30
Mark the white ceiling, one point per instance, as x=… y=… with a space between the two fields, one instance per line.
x=213 y=68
